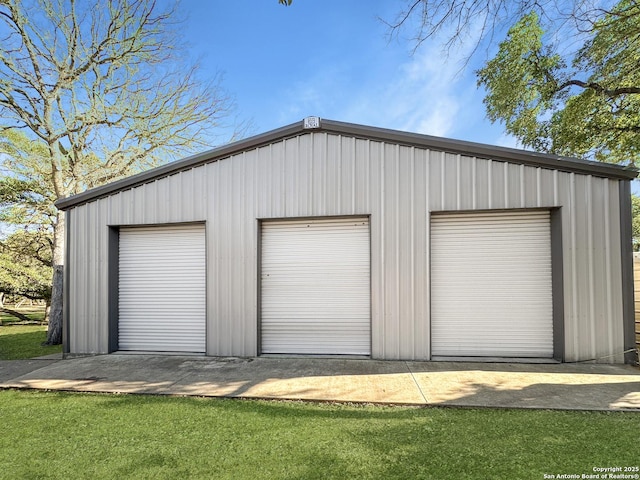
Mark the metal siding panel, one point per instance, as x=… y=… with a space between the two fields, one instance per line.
x=188 y=192
x=491 y=285
x=273 y=186
x=315 y=287
x=599 y=257
x=162 y=294
x=466 y=182
x=223 y=245
x=148 y=208
x=101 y=267
x=434 y=180
x=497 y=185
x=305 y=158
x=419 y=318
x=89 y=333
x=87 y=269
x=84 y=234
x=291 y=167
x=592 y=270
x=584 y=332
x=565 y=196
x=74 y=288
x=176 y=212
x=513 y=185
x=362 y=185
x=239 y=240
x=378 y=260
x=277 y=178
x=546 y=195
x=233 y=316
x=616 y=325
x=127 y=207
x=211 y=237
x=347 y=169
x=319 y=183
x=262 y=206
x=449 y=182
x=390 y=178
x=608 y=287
x=406 y=200
x=530 y=184
x=333 y=178
x=482 y=193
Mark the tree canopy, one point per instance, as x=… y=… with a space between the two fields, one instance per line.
x=91 y=92
x=587 y=105
x=565 y=80
x=25 y=264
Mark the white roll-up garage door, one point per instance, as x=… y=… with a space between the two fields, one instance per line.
x=315 y=295
x=161 y=291
x=491 y=285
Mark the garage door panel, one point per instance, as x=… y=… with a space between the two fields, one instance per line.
x=162 y=295
x=491 y=285
x=315 y=295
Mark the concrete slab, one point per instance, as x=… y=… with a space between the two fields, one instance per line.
x=15 y=368
x=559 y=386
x=304 y=379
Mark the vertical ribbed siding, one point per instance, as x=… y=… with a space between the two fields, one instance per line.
x=317 y=174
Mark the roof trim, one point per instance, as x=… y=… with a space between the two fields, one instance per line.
x=480 y=150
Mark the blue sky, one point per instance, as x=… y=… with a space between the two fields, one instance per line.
x=333 y=59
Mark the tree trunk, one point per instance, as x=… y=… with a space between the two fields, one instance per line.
x=54 y=331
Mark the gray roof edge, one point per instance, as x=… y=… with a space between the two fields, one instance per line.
x=179 y=165
x=505 y=154
x=482 y=150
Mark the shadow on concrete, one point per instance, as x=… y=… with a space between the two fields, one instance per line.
x=565 y=396
x=561 y=386
x=15 y=368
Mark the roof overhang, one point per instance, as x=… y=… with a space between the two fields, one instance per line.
x=472 y=149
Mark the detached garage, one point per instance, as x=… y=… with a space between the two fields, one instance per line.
x=328 y=238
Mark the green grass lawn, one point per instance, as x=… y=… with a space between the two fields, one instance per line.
x=63 y=435
x=24 y=341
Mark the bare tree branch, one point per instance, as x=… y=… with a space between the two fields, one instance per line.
x=609 y=92
x=97 y=88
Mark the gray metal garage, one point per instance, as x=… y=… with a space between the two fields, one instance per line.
x=328 y=238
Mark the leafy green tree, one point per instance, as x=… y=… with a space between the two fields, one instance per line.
x=565 y=80
x=91 y=92
x=25 y=265
x=587 y=106
x=635 y=214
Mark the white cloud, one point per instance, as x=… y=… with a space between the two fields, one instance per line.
x=425 y=93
